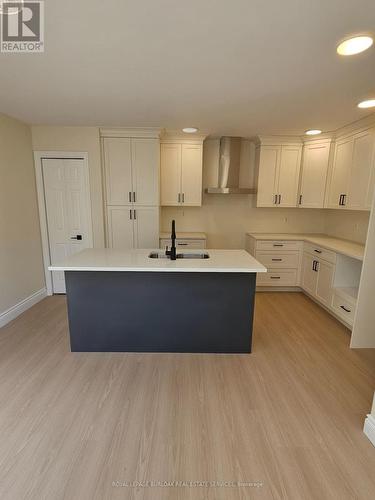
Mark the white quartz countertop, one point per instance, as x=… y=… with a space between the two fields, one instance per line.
x=106 y=259
x=184 y=236
x=344 y=247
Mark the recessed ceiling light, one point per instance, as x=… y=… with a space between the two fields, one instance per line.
x=370 y=103
x=190 y=130
x=313 y=132
x=354 y=45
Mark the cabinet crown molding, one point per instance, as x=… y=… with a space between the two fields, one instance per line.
x=179 y=137
x=278 y=140
x=141 y=132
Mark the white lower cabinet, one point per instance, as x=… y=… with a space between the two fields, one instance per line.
x=324 y=283
x=130 y=227
x=330 y=278
x=317 y=278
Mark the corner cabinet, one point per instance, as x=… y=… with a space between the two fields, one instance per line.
x=131 y=176
x=351 y=177
x=181 y=173
x=278 y=169
x=315 y=160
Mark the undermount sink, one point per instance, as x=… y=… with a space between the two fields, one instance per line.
x=161 y=255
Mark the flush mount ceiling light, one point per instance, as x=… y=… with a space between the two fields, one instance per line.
x=313 y=131
x=354 y=45
x=370 y=103
x=190 y=130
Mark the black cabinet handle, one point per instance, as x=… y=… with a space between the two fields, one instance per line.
x=277 y=260
x=345 y=309
x=135 y=214
x=317 y=251
x=130 y=197
x=275 y=277
x=278 y=245
x=134 y=196
x=344 y=199
x=130 y=215
x=300 y=199
x=279 y=199
x=182 y=244
x=77 y=237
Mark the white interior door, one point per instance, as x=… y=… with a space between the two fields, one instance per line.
x=67 y=209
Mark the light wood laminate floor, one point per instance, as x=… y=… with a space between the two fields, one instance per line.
x=290 y=415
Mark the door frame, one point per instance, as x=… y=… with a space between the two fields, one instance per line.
x=60 y=155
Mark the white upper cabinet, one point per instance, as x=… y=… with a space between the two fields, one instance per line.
x=131 y=171
x=361 y=180
x=181 y=173
x=278 y=169
x=170 y=174
x=314 y=174
x=118 y=170
x=351 y=179
x=268 y=161
x=340 y=173
x=191 y=175
x=131 y=176
x=145 y=171
x=290 y=165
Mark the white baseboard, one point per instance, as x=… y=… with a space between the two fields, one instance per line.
x=369 y=428
x=22 y=306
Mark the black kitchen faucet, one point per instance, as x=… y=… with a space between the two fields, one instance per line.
x=172 y=252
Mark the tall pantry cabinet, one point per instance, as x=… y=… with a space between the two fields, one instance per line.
x=131 y=164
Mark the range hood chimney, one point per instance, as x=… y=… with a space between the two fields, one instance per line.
x=228 y=181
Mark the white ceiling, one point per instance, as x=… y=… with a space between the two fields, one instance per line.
x=226 y=66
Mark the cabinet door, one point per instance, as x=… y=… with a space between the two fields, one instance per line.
x=324 y=284
x=118 y=172
x=120 y=227
x=339 y=176
x=146 y=227
x=288 y=176
x=170 y=174
x=269 y=157
x=309 y=276
x=314 y=175
x=145 y=171
x=191 y=175
x=361 y=174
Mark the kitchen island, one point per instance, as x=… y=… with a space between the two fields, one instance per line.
x=141 y=301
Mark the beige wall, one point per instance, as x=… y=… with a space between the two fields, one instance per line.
x=363 y=334
x=21 y=268
x=350 y=225
x=226 y=218
x=84 y=139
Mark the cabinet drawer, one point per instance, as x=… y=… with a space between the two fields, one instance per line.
x=181 y=243
x=277 y=277
x=343 y=308
x=320 y=252
x=286 y=260
x=278 y=245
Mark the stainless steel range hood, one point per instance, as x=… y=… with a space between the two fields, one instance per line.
x=229 y=169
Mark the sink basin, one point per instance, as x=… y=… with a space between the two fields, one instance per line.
x=161 y=255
